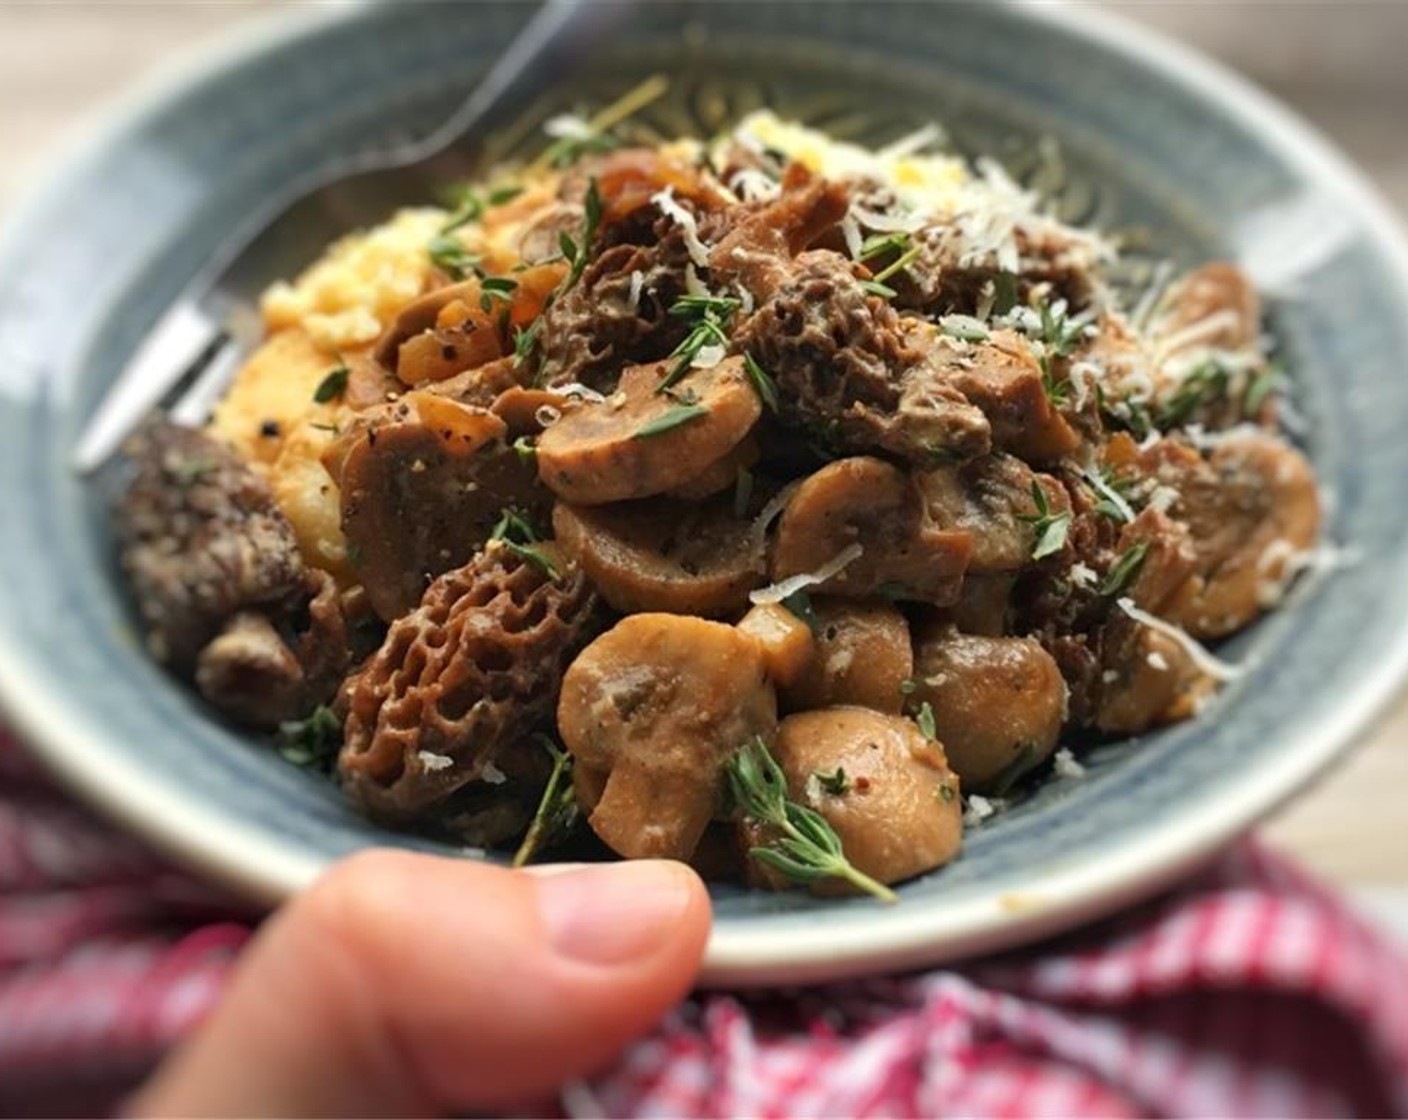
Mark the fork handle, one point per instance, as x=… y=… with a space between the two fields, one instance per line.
x=538 y=52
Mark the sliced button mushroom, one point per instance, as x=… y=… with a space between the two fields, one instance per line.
x=886 y=790
x=991 y=498
x=422 y=485
x=998 y=703
x=862 y=656
x=659 y=555
x=652 y=710
x=642 y=442
x=1253 y=512
x=869 y=503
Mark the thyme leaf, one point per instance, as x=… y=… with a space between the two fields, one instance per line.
x=762 y=382
x=519 y=537
x=1123 y=570
x=449 y=255
x=806 y=848
x=313 y=742
x=711 y=316
x=1050 y=528
x=557 y=813
x=669 y=420
x=331 y=387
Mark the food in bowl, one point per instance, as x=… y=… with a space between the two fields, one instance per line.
x=769 y=503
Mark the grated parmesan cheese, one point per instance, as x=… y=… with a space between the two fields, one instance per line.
x=698 y=251
x=1066 y=765
x=977 y=809
x=776 y=592
x=492 y=775
x=1198 y=653
x=432 y=763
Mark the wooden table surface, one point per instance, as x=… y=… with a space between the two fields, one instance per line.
x=1337 y=63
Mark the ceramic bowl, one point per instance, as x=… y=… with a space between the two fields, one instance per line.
x=1151 y=137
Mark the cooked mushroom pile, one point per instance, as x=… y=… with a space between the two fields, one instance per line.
x=762 y=503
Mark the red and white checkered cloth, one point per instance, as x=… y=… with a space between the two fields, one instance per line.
x=1248 y=992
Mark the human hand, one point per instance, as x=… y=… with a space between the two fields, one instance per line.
x=405 y=984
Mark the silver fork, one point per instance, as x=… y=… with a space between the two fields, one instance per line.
x=201 y=339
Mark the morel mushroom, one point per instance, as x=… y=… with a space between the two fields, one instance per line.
x=201 y=540
x=468 y=673
x=652 y=710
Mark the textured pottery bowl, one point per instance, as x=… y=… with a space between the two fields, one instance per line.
x=1151 y=137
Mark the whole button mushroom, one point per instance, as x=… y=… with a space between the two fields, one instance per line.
x=998 y=703
x=652 y=710
x=885 y=789
x=862 y=656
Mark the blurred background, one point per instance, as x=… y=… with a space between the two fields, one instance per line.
x=1339 y=63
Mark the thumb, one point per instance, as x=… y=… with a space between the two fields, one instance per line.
x=408 y=985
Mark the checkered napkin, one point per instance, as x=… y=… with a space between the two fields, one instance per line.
x=1250 y=991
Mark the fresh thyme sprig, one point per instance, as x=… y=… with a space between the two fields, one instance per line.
x=711 y=316
x=899 y=264
x=519 y=538
x=1111 y=489
x=1050 y=528
x=448 y=254
x=1059 y=333
x=924 y=719
x=312 y=743
x=763 y=383
x=1123 y=570
x=574 y=252
x=806 y=848
x=331 y=387
x=557 y=813
x=1207 y=383
x=669 y=420
x=834 y=782
x=881 y=243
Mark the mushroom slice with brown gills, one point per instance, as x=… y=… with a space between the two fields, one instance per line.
x=870 y=505
x=662 y=555
x=991 y=498
x=861 y=655
x=641 y=442
x=460 y=679
x=1004 y=380
x=885 y=789
x=998 y=703
x=652 y=711
x=423 y=483
x=1253 y=511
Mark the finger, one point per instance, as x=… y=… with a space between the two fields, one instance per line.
x=408 y=985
